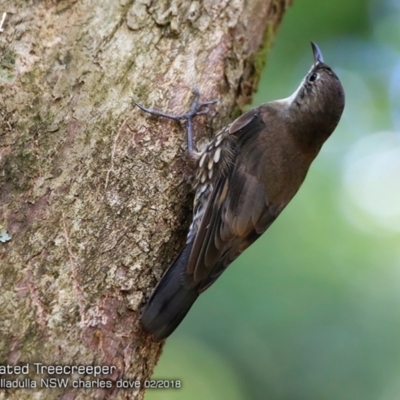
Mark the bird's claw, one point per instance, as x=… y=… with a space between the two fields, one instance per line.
x=195 y=109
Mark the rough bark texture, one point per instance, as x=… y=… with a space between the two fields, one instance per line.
x=94 y=195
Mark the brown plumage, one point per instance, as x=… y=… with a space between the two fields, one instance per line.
x=244 y=178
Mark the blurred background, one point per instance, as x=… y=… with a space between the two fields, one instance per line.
x=312 y=310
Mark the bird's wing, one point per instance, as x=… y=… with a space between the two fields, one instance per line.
x=238 y=211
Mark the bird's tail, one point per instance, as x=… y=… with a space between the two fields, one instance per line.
x=171 y=299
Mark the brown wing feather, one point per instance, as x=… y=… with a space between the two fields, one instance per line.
x=237 y=212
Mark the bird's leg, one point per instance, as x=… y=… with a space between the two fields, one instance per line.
x=197 y=108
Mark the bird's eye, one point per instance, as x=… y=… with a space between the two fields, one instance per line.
x=313 y=77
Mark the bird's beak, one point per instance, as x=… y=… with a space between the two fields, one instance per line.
x=318 y=58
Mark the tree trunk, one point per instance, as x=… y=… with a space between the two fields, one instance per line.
x=94 y=194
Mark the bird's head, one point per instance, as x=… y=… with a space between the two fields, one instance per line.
x=318 y=102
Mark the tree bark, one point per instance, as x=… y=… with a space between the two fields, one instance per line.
x=94 y=195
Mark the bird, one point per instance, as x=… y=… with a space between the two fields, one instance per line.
x=243 y=179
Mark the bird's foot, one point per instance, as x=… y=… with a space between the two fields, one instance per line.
x=197 y=108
